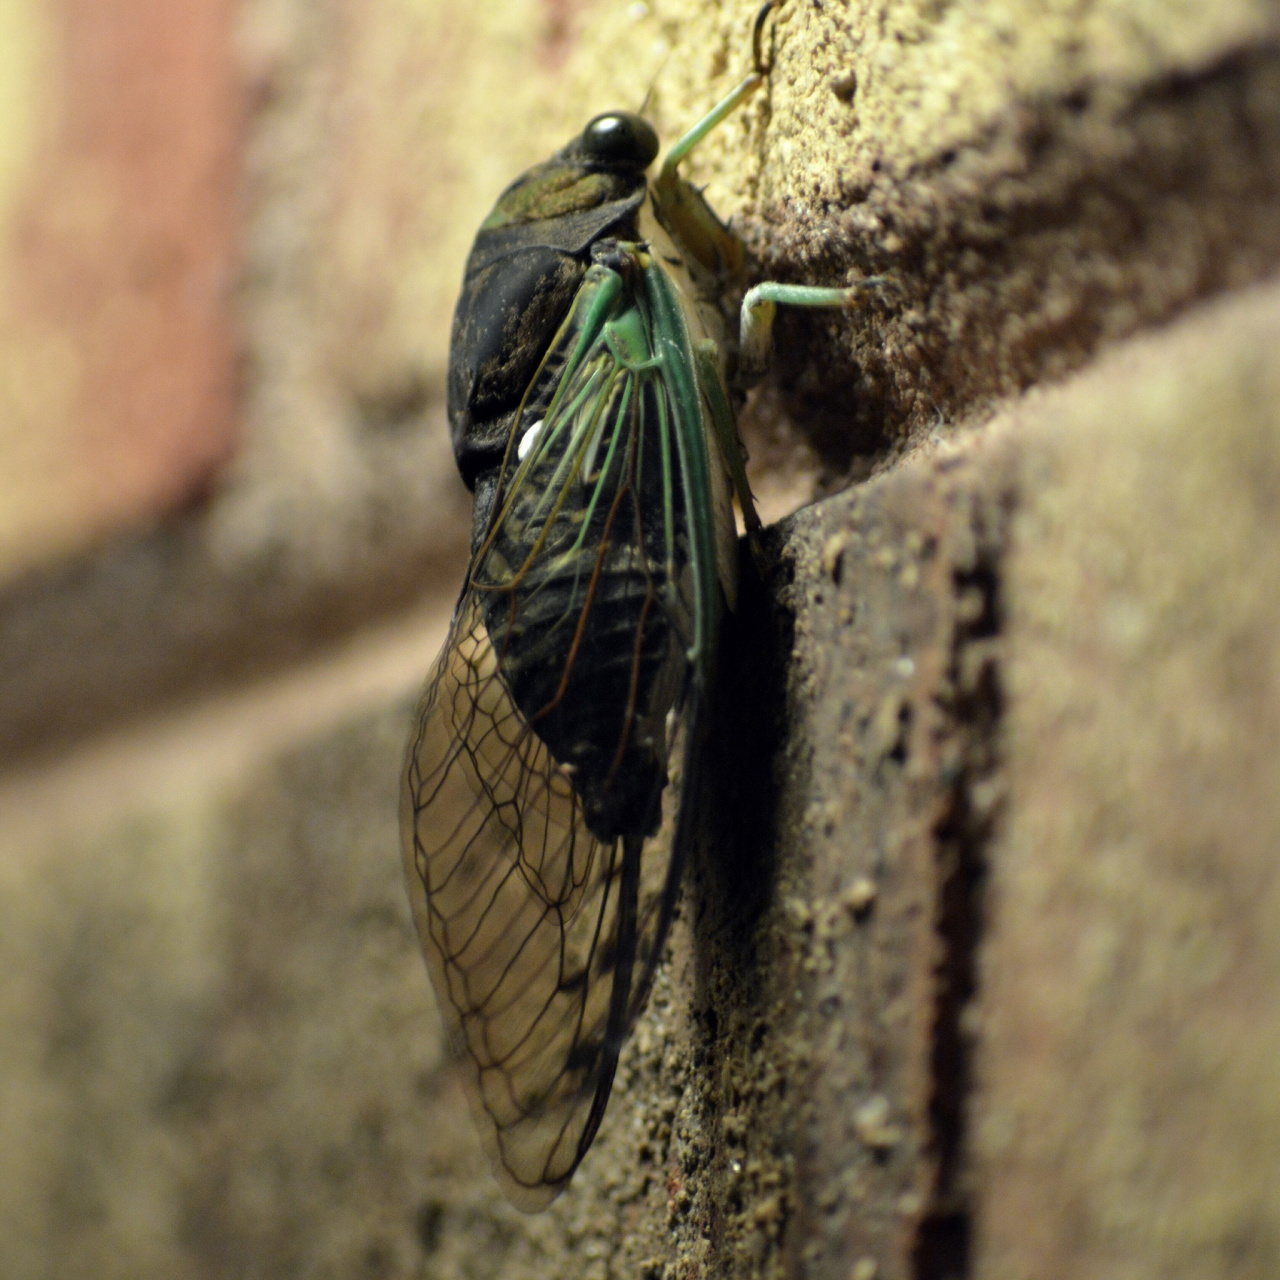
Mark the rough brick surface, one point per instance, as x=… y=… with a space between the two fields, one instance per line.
x=1032 y=185
x=975 y=969
x=973 y=975
x=1129 y=1026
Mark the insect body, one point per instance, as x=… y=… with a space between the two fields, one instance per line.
x=543 y=831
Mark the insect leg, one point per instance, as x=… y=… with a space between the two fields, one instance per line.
x=761 y=304
x=680 y=208
x=667 y=174
x=735 y=456
x=681 y=148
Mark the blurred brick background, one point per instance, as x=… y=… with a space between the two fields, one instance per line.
x=1017 y=670
x=120 y=210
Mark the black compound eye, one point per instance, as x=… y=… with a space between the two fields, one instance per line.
x=620 y=140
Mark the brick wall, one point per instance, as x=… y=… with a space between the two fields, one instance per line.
x=1015 y=670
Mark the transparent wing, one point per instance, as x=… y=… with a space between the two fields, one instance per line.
x=516 y=904
x=536 y=787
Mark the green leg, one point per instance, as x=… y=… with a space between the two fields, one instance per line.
x=667 y=174
x=711 y=383
x=761 y=305
x=681 y=208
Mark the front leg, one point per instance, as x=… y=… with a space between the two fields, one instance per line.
x=761 y=305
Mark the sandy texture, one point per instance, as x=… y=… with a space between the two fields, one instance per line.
x=1033 y=184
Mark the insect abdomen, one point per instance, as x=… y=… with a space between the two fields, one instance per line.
x=590 y=670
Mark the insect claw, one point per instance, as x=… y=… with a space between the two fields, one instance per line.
x=757 y=40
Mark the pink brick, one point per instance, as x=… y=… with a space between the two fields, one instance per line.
x=118 y=330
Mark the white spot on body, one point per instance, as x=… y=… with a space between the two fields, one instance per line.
x=526 y=440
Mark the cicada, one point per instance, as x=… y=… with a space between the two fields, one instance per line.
x=552 y=775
